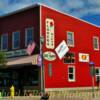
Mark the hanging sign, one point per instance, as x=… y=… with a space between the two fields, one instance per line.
x=50 y=56
x=62 y=49
x=50 y=35
x=83 y=57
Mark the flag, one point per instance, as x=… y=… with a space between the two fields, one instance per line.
x=31 y=48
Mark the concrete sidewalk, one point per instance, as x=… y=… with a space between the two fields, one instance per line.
x=51 y=98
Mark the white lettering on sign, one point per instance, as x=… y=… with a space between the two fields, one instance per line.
x=62 y=49
x=16 y=53
x=50 y=56
x=50 y=35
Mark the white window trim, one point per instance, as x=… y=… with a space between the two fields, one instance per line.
x=2 y=41
x=26 y=34
x=96 y=37
x=73 y=73
x=13 y=40
x=72 y=37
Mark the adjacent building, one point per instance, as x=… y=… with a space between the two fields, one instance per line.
x=61 y=31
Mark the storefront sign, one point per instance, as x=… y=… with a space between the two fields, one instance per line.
x=83 y=57
x=50 y=35
x=16 y=53
x=62 y=49
x=35 y=60
x=50 y=56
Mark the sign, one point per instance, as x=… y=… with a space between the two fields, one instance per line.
x=16 y=53
x=92 y=68
x=30 y=48
x=83 y=57
x=62 y=49
x=50 y=56
x=35 y=60
x=50 y=35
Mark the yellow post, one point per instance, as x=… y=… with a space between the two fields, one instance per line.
x=12 y=91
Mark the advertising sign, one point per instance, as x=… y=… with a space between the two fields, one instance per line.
x=83 y=57
x=50 y=35
x=16 y=53
x=50 y=56
x=62 y=49
x=35 y=60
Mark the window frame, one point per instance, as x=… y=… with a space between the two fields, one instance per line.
x=95 y=72
x=71 y=45
x=13 y=40
x=26 y=35
x=5 y=34
x=74 y=79
x=96 y=37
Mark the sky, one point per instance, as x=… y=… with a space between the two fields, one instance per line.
x=88 y=10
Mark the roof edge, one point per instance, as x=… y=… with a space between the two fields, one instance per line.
x=69 y=15
x=41 y=4
x=20 y=10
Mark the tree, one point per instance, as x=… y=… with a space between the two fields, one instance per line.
x=3 y=60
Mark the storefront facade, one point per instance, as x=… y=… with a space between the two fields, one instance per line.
x=68 y=70
x=17 y=30
x=83 y=41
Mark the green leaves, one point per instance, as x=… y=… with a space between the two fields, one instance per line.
x=3 y=60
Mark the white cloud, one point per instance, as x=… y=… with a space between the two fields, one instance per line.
x=78 y=8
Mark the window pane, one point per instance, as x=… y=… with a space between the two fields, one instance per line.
x=29 y=35
x=4 y=39
x=95 y=43
x=16 y=39
x=71 y=77
x=70 y=38
x=70 y=70
x=97 y=71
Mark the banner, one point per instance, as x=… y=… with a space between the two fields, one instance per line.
x=62 y=49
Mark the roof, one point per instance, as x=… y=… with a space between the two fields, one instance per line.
x=40 y=4
x=20 y=10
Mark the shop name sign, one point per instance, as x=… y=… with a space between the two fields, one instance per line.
x=16 y=53
x=62 y=49
x=50 y=56
x=50 y=34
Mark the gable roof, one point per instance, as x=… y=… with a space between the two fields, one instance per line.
x=40 y=4
x=66 y=14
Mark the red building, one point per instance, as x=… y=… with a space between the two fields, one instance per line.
x=60 y=31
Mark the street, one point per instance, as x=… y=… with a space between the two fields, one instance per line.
x=51 y=98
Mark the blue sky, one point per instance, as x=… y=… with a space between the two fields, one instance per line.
x=88 y=10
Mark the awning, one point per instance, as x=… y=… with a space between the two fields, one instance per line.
x=23 y=60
